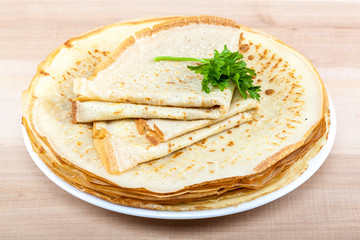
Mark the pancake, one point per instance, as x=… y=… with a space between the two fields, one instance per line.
x=294 y=108
x=251 y=187
x=126 y=143
x=127 y=77
x=90 y=111
x=121 y=147
x=159 y=130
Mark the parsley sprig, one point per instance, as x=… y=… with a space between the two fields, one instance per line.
x=220 y=69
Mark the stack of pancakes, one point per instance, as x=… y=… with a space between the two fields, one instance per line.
x=110 y=121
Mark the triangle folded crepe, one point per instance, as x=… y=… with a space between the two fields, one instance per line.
x=91 y=111
x=123 y=144
x=159 y=130
x=225 y=169
x=130 y=75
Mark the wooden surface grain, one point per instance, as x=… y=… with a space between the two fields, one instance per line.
x=325 y=207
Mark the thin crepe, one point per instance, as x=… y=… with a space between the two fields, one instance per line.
x=126 y=143
x=280 y=175
x=90 y=111
x=293 y=100
x=160 y=130
x=121 y=147
x=131 y=75
x=216 y=195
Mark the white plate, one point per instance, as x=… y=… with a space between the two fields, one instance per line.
x=314 y=165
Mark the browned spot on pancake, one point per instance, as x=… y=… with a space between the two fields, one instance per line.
x=289 y=125
x=44 y=73
x=223 y=149
x=177 y=154
x=73 y=111
x=169 y=145
x=259 y=81
x=68 y=44
x=189 y=167
x=262 y=56
x=244 y=47
x=273 y=57
x=242 y=36
x=229 y=132
x=118 y=112
x=231 y=143
x=251 y=57
x=269 y=91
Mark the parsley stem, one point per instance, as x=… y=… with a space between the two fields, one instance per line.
x=169 y=58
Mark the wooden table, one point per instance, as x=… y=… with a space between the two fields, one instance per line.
x=325 y=207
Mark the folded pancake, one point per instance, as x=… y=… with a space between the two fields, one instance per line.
x=159 y=130
x=131 y=75
x=121 y=147
x=210 y=173
x=126 y=143
x=90 y=111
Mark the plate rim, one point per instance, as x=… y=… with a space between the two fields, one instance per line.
x=314 y=164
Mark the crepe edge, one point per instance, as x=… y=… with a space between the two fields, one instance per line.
x=147 y=32
x=69 y=43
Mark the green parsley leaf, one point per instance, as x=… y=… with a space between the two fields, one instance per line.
x=220 y=69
